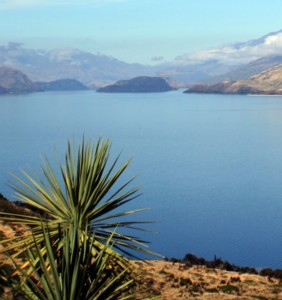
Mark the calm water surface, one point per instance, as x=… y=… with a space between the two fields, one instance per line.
x=210 y=166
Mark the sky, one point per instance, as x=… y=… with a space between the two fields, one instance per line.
x=137 y=31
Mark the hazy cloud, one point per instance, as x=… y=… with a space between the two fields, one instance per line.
x=157 y=58
x=14 y=45
x=237 y=53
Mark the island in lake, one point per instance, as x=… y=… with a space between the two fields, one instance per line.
x=61 y=85
x=142 y=84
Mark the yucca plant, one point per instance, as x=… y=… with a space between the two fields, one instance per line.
x=74 y=274
x=83 y=202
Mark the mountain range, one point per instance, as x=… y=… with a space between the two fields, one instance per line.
x=91 y=69
x=229 y=62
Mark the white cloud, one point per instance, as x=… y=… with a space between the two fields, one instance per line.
x=237 y=53
x=65 y=54
x=274 y=39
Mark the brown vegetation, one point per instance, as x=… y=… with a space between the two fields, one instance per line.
x=169 y=281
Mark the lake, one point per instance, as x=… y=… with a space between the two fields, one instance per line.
x=209 y=166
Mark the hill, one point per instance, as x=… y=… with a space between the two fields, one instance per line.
x=143 y=84
x=244 y=72
x=266 y=82
x=15 y=82
x=61 y=85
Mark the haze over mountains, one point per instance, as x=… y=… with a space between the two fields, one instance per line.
x=64 y=63
x=230 y=62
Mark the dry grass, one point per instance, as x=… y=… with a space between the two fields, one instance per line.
x=170 y=281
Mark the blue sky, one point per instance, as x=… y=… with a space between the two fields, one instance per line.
x=141 y=31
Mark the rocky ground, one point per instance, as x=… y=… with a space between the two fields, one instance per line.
x=169 y=280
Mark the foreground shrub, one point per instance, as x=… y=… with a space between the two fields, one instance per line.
x=75 y=235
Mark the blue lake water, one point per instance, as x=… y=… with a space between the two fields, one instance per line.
x=209 y=166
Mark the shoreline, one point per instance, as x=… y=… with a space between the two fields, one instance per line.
x=189 y=259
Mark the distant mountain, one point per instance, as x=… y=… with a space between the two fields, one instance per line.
x=14 y=82
x=142 y=84
x=269 y=81
x=61 y=85
x=194 y=72
x=228 y=62
x=266 y=82
x=238 y=53
x=90 y=69
x=248 y=70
